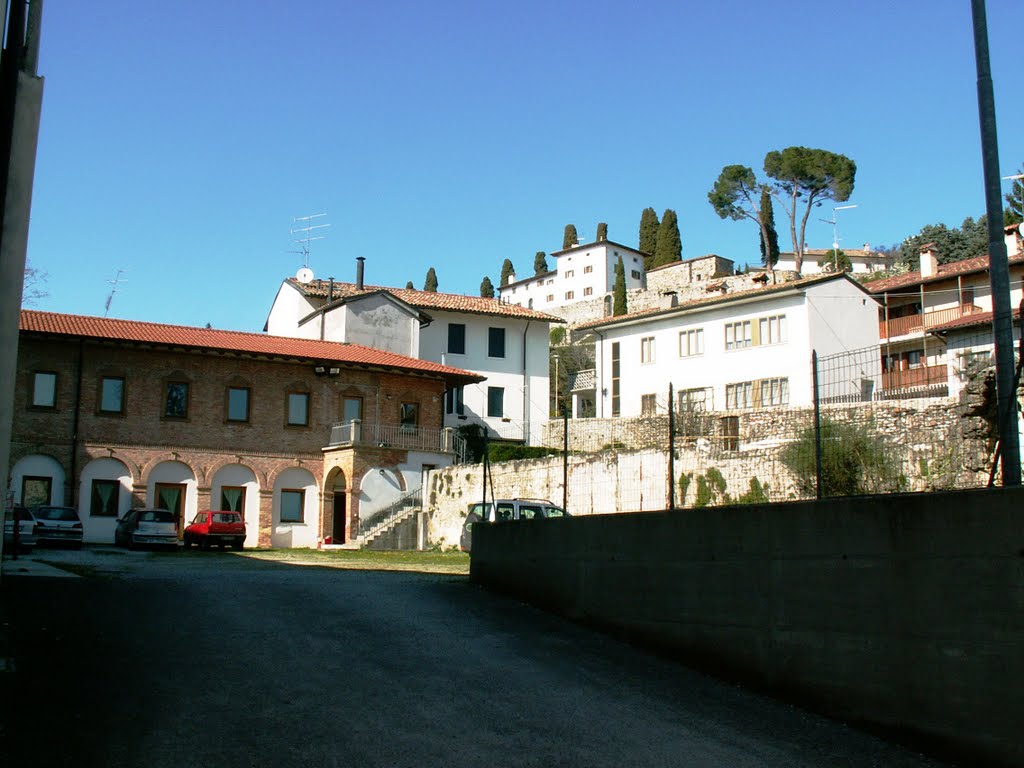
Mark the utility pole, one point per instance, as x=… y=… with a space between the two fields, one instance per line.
x=998 y=268
x=21 y=98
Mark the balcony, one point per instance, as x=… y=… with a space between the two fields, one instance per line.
x=925 y=377
x=902 y=326
x=407 y=437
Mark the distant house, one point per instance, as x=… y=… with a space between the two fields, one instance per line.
x=114 y=414
x=729 y=351
x=581 y=273
x=817 y=260
x=935 y=322
x=504 y=343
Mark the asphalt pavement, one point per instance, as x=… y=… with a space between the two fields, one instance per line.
x=211 y=659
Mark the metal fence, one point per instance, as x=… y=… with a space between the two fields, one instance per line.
x=876 y=424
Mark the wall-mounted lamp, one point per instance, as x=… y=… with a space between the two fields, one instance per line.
x=319 y=370
x=334 y=371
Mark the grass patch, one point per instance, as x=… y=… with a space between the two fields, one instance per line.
x=364 y=559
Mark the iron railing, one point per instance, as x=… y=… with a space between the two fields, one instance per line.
x=405 y=436
x=378 y=521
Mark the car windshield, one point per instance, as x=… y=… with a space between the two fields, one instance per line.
x=156 y=516
x=554 y=512
x=56 y=513
x=226 y=517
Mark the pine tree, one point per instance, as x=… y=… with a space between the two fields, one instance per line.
x=1014 y=213
x=669 y=248
x=570 y=237
x=648 y=235
x=619 y=292
x=486 y=288
x=430 y=284
x=769 y=252
x=409 y=286
x=602 y=232
x=540 y=263
x=507 y=270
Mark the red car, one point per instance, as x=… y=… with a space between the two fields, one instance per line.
x=215 y=527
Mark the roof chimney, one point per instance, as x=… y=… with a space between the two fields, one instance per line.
x=929 y=260
x=1011 y=234
x=359 y=272
x=330 y=290
x=669 y=299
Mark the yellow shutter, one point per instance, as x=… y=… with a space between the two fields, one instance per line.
x=755 y=333
x=755 y=396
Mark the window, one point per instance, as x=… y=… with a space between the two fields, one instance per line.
x=111 y=394
x=774 y=392
x=551 y=281
x=457 y=338
x=772 y=330
x=966 y=297
x=44 y=390
x=409 y=416
x=105 y=497
x=616 y=385
x=232 y=498
x=453 y=401
x=635 y=274
x=570 y=273
x=550 y=297
x=35 y=490
x=352 y=409
x=292 y=504
x=647 y=349
x=648 y=405
x=588 y=269
x=691 y=343
x=588 y=291
x=569 y=295
x=298 y=409
x=730 y=433
x=238 y=403
x=496 y=401
x=695 y=400
x=495 y=342
x=737 y=335
x=739 y=395
x=176 y=400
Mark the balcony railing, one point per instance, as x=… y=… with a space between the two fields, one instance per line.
x=405 y=436
x=923 y=376
x=901 y=326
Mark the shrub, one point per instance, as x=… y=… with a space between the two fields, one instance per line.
x=854 y=460
x=509 y=452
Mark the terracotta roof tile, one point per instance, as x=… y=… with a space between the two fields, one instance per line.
x=945 y=272
x=229 y=341
x=427 y=300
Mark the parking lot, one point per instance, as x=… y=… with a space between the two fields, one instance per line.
x=175 y=659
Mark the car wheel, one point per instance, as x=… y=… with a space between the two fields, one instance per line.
x=238 y=544
x=205 y=544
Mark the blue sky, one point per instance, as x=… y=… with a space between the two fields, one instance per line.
x=179 y=140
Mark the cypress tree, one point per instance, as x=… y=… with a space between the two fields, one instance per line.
x=507 y=270
x=430 y=284
x=669 y=248
x=409 y=286
x=486 y=288
x=540 y=263
x=602 y=232
x=769 y=251
x=648 y=235
x=619 y=293
x=570 y=237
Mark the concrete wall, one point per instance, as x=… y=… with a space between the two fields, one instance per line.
x=905 y=612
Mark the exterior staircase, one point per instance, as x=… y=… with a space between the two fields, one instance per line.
x=385 y=521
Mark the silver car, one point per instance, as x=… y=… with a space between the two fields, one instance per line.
x=57 y=525
x=154 y=527
x=26 y=529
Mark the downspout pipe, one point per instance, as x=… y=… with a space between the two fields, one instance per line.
x=526 y=390
x=69 y=492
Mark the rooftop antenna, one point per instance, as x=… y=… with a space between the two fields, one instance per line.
x=835 y=233
x=117 y=279
x=304 y=226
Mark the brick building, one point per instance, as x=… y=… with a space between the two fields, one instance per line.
x=114 y=414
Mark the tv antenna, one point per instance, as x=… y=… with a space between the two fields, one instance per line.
x=304 y=226
x=117 y=279
x=835 y=232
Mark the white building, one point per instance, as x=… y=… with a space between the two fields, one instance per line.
x=581 y=272
x=728 y=352
x=506 y=343
x=817 y=260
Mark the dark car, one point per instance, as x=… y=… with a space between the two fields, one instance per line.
x=25 y=532
x=506 y=509
x=57 y=525
x=156 y=527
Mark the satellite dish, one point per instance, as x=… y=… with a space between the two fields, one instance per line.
x=304 y=275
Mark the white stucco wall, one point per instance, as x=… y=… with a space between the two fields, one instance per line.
x=375 y=321
x=38 y=466
x=240 y=475
x=99 y=528
x=288 y=308
x=177 y=473
x=841 y=318
x=302 y=534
